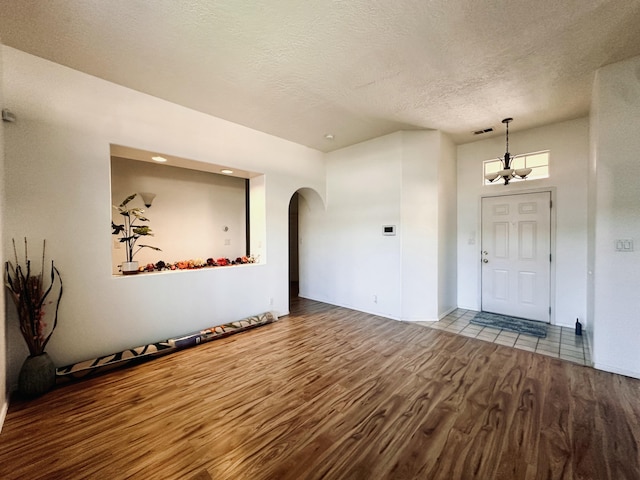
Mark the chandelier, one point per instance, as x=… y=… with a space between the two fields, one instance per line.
x=507 y=173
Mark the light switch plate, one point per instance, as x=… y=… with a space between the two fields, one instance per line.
x=624 y=245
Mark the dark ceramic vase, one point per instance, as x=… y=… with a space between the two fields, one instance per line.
x=37 y=376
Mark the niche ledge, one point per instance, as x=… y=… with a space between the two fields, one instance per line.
x=190 y=266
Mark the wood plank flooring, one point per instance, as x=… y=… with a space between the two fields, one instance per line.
x=334 y=394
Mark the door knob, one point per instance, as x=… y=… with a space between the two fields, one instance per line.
x=484 y=260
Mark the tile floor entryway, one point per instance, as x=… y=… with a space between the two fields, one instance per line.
x=560 y=342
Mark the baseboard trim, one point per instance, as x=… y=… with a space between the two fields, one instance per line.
x=447 y=312
x=616 y=370
x=475 y=308
x=350 y=307
x=385 y=315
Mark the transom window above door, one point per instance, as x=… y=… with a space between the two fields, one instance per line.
x=538 y=162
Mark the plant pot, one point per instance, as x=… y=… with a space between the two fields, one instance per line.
x=37 y=376
x=129 y=268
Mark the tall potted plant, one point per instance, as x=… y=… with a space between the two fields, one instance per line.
x=130 y=232
x=30 y=296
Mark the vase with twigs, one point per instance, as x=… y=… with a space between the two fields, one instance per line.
x=131 y=231
x=30 y=294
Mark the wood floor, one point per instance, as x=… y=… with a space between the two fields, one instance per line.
x=336 y=394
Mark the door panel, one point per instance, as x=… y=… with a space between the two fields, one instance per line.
x=501 y=240
x=527 y=287
x=501 y=284
x=516 y=247
x=527 y=241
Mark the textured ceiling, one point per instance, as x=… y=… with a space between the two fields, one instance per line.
x=355 y=68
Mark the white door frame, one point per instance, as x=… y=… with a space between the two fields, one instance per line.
x=552 y=271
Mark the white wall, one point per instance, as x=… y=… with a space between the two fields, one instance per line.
x=391 y=180
x=568 y=143
x=188 y=215
x=616 y=148
x=57 y=186
x=357 y=261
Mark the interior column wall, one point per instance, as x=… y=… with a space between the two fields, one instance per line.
x=394 y=181
x=418 y=230
x=447 y=228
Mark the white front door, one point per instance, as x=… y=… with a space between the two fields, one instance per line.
x=516 y=255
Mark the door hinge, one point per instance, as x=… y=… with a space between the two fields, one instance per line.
x=549 y=311
x=550 y=203
x=549 y=257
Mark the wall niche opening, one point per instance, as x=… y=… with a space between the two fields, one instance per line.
x=198 y=213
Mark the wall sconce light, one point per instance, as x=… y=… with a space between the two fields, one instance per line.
x=147 y=198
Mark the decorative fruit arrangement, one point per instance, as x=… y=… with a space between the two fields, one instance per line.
x=196 y=264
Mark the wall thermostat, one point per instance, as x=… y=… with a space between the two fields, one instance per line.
x=388 y=229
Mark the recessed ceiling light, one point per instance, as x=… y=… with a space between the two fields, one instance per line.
x=226 y=171
x=329 y=136
x=158 y=159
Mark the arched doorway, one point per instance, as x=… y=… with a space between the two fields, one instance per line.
x=306 y=209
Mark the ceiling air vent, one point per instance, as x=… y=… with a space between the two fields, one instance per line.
x=486 y=130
